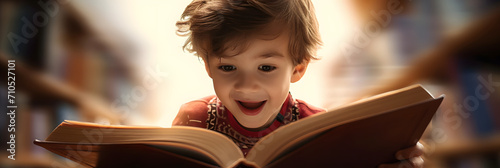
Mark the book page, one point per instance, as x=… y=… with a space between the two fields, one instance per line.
x=212 y=143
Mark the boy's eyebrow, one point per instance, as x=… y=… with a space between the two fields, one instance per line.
x=272 y=54
x=264 y=55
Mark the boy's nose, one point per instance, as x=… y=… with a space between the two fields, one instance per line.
x=246 y=83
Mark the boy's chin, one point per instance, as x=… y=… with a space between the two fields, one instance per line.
x=250 y=123
x=256 y=123
x=253 y=126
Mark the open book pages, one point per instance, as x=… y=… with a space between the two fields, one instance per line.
x=216 y=146
x=303 y=129
x=392 y=120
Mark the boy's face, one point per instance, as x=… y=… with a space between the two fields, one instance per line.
x=254 y=84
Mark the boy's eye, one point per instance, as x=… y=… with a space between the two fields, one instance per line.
x=227 y=68
x=267 y=68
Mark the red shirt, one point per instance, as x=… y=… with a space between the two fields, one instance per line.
x=209 y=113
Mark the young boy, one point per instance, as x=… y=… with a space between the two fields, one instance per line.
x=252 y=50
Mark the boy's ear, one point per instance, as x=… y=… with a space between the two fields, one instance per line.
x=298 y=72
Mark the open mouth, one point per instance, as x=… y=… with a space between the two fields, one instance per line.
x=251 y=107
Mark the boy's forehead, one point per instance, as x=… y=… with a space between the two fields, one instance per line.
x=265 y=44
x=240 y=42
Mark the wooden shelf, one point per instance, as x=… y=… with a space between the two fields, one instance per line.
x=475 y=147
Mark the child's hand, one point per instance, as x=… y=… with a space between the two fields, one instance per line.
x=409 y=157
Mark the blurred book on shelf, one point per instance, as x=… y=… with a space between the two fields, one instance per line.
x=66 y=68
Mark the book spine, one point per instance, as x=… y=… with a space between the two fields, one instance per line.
x=478 y=108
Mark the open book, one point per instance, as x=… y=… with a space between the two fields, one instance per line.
x=365 y=133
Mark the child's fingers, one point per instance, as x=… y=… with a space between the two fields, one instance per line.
x=411 y=152
x=415 y=162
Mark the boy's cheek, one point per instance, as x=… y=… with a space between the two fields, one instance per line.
x=221 y=87
x=222 y=82
x=217 y=77
x=278 y=82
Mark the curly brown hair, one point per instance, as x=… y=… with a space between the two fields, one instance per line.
x=212 y=26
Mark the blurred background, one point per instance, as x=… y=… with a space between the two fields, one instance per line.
x=121 y=62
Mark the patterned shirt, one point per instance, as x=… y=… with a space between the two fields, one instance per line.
x=210 y=113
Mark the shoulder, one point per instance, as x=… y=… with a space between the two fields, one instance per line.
x=193 y=113
x=306 y=109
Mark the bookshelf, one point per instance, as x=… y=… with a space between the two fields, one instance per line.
x=69 y=69
x=458 y=57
